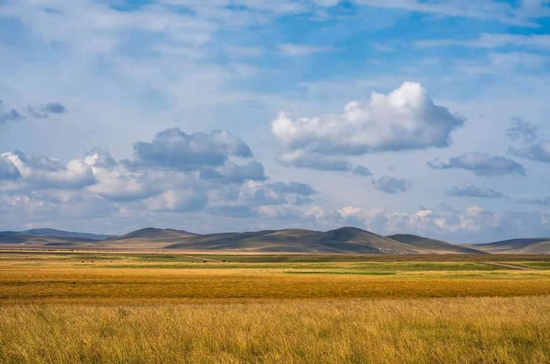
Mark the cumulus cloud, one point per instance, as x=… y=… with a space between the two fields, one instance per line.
x=405 y=119
x=474 y=191
x=391 y=185
x=539 y=152
x=121 y=185
x=173 y=161
x=175 y=149
x=8 y=170
x=100 y=158
x=211 y=184
x=42 y=172
x=523 y=131
x=481 y=164
x=470 y=225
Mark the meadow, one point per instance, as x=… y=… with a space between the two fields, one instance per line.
x=120 y=307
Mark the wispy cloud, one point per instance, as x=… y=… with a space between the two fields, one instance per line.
x=298 y=50
x=31 y=111
x=523 y=131
x=474 y=191
x=491 y=40
x=481 y=164
x=539 y=152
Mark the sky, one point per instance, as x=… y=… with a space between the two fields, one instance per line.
x=426 y=117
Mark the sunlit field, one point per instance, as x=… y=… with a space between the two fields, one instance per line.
x=168 y=308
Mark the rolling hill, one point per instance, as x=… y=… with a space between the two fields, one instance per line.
x=516 y=246
x=65 y=234
x=343 y=240
x=434 y=245
x=154 y=234
x=291 y=240
x=346 y=240
x=10 y=239
x=148 y=238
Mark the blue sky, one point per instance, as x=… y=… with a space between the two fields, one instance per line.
x=425 y=117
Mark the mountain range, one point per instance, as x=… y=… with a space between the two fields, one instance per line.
x=346 y=240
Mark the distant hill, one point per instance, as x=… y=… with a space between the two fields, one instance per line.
x=65 y=234
x=361 y=241
x=152 y=233
x=148 y=238
x=345 y=240
x=12 y=239
x=435 y=246
x=290 y=240
x=516 y=246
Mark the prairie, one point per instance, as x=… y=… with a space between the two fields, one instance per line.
x=94 y=307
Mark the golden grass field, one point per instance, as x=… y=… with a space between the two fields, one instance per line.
x=195 y=308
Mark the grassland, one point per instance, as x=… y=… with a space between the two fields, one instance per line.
x=70 y=307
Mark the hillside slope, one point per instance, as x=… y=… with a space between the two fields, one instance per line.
x=433 y=246
x=65 y=234
x=148 y=238
x=345 y=240
x=516 y=246
x=289 y=240
x=10 y=239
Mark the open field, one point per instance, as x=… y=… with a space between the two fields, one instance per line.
x=68 y=307
x=457 y=330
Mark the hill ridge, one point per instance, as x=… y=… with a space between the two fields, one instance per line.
x=342 y=240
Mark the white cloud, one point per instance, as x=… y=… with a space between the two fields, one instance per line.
x=406 y=119
x=482 y=164
x=8 y=170
x=297 y=50
x=39 y=172
x=175 y=149
x=491 y=40
x=470 y=225
x=100 y=184
x=350 y=211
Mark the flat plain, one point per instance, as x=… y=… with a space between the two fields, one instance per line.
x=140 y=307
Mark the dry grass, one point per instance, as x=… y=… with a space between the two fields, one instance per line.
x=164 y=309
x=104 y=285
x=459 y=330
